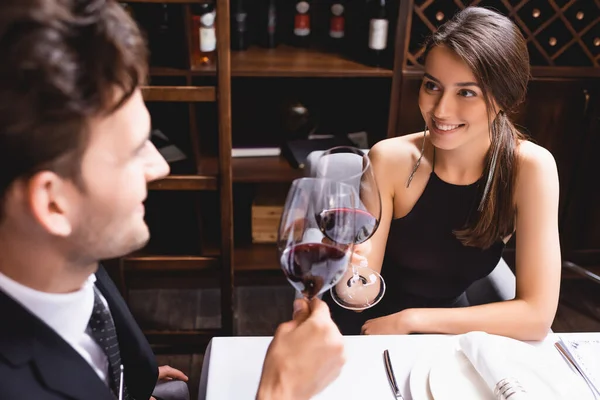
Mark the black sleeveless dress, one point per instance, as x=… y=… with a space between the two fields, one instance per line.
x=425 y=265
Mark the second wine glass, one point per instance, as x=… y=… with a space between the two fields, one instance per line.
x=361 y=287
x=313 y=263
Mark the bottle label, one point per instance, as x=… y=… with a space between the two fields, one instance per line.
x=336 y=29
x=302 y=25
x=240 y=19
x=272 y=21
x=378 y=34
x=208 y=39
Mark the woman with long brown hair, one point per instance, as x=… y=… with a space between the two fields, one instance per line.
x=454 y=194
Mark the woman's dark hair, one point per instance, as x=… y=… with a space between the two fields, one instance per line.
x=496 y=52
x=62 y=63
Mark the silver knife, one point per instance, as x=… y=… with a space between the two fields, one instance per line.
x=390 y=374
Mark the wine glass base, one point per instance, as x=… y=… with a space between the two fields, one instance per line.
x=359 y=292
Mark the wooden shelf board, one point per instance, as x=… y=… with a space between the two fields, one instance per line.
x=166 y=71
x=185 y=182
x=165 y=1
x=172 y=263
x=179 y=93
x=254 y=169
x=287 y=61
x=537 y=73
x=264 y=169
x=256 y=257
x=209 y=70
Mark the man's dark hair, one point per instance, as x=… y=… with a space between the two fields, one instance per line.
x=62 y=62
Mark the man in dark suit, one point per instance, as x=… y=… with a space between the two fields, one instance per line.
x=75 y=160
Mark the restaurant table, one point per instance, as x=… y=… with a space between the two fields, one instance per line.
x=232 y=365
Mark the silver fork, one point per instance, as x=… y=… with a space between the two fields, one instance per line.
x=390 y=374
x=564 y=351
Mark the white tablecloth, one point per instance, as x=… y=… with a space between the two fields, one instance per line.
x=232 y=365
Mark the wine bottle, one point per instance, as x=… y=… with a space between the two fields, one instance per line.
x=302 y=28
x=239 y=26
x=204 y=39
x=163 y=48
x=378 y=33
x=337 y=26
x=267 y=24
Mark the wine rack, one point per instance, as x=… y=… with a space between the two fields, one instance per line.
x=558 y=33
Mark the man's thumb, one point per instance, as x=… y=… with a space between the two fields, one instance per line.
x=301 y=310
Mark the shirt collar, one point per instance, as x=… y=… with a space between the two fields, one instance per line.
x=67 y=314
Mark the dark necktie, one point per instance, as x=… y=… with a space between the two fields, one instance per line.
x=102 y=329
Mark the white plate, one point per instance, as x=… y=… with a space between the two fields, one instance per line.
x=447 y=362
x=543 y=376
x=419 y=374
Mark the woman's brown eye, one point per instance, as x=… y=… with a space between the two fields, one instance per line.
x=430 y=85
x=467 y=93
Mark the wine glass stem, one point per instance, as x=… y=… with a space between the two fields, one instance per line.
x=355 y=275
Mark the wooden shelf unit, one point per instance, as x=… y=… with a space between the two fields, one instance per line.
x=287 y=61
x=183 y=94
x=165 y=1
x=171 y=263
x=259 y=261
x=185 y=182
x=254 y=169
x=141 y=269
x=537 y=72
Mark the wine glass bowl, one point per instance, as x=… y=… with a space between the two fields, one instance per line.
x=311 y=262
x=361 y=287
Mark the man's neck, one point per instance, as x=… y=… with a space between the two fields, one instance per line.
x=41 y=267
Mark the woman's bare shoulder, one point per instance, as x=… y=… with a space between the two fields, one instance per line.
x=397 y=150
x=533 y=157
x=537 y=172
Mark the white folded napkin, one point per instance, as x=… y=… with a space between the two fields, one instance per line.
x=491 y=362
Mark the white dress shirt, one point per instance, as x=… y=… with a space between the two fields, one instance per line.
x=67 y=314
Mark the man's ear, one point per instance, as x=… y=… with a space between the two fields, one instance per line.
x=50 y=203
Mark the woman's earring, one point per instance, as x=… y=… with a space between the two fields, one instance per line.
x=496 y=148
x=412 y=174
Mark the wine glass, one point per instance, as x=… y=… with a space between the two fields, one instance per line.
x=312 y=262
x=361 y=287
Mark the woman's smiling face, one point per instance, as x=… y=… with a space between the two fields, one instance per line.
x=451 y=101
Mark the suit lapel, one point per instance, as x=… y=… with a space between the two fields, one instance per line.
x=60 y=368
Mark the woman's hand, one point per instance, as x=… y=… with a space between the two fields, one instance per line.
x=399 y=323
x=360 y=254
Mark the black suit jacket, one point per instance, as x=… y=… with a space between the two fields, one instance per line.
x=37 y=364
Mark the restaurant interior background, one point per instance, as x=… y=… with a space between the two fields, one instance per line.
x=240 y=90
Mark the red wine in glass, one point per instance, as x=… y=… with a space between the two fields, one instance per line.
x=311 y=262
x=365 y=223
x=311 y=266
